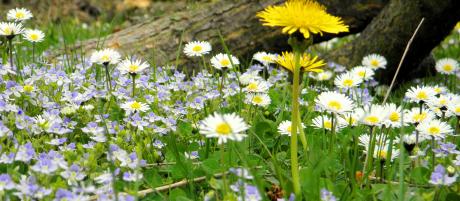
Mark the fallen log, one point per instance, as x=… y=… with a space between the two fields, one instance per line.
x=236 y=20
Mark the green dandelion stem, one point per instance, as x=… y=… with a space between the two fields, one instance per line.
x=303 y=139
x=295 y=126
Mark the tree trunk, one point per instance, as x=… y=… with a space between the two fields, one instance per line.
x=389 y=32
x=236 y=21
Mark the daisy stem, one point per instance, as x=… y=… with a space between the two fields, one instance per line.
x=355 y=157
x=134 y=84
x=416 y=134
x=390 y=153
x=10 y=48
x=222 y=160
x=108 y=80
x=33 y=53
x=205 y=66
x=295 y=126
x=457 y=119
x=222 y=82
x=432 y=153
x=369 y=154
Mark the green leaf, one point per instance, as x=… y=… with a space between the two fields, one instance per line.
x=152 y=178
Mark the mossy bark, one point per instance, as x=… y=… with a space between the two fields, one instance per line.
x=389 y=32
x=236 y=20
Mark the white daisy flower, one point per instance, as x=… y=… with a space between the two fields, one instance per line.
x=259 y=99
x=134 y=106
x=349 y=119
x=454 y=108
x=132 y=67
x=447 y=66
x=394 y=115
x=440 y=112
x=420 y=94
x=197 y=48
x=249 y=76
x=414 y=115
x=10 y=29
x=334 y=102
x=33 y=35
x=265 y=58
x=347 y=81
x=325 y=122
x=224 y=127
x=434 y=128
x=19 y=14
x=411 y=139
x=373 y=115
x=321 y=76
x=440 y=89
x=285 y=128
x=381 y=149
x=105 y=56
x=374 y=61
x=365 y=73
x=442 y=101
x=222 y=61
x=257 y=86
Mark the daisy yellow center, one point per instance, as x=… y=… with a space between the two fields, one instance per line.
x=105 y=58
x=350 y=120
x=457 y=110
x=289 y=129
x=328 y=124
x=335 y=105
x=374 y=62
x=223 y=129
x=252 y=86
x=421 y=95
x=372 y=119
x=257 y=99
x=443 y=102
x=197 y=48
x=20 y=15
x=382 y=154
x=394 y=116
x=133 y=68
x=419 y=117
x=362 y=73
x=8 y=31
x=266 y=58
x=348 y=82
x=323 y=76
x=437 y=90
x=135 y=105
x=434 y=130
x=28 y=88
x=224 y=62
x=34 y=37
x=448 y=67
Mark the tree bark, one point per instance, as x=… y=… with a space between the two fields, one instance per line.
x=389 y=32
x=236 y=21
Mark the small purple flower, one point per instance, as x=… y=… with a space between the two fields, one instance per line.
x=132 y=176
x=441 y=177
x=5 y=182
x=241 y=172
x=327 y=195
x=445 y=149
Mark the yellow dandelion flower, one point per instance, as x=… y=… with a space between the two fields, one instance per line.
x=306 y=16
x=307 y=62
